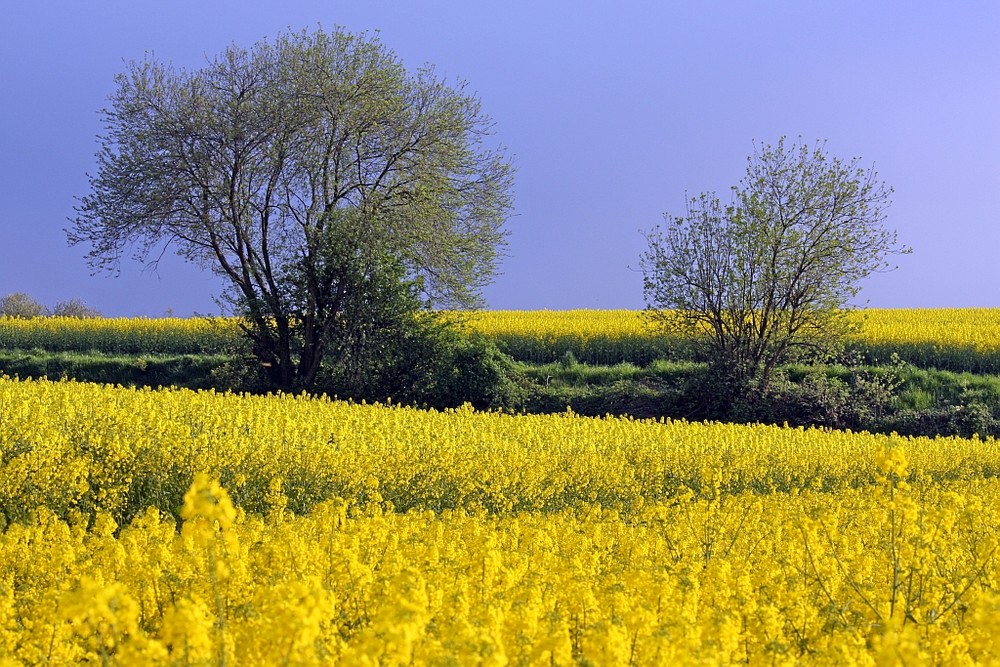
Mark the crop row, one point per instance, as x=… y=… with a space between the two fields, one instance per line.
x=958 y=339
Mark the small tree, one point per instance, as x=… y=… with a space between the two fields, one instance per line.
x=74 y=308
x=21 y=305
x=774 y=272
x=292 y=169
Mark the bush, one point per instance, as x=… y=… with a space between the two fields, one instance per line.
x=974 y=419
x=480 y=374
x=711 y=394
x=817 y=400
x=428 y=362
x=641 y=400
x=856 y=397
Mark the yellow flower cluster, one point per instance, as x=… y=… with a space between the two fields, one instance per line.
x=883 y=577
x=174 y=527
x=592 y=336
x=550 y=324
x=81 y=447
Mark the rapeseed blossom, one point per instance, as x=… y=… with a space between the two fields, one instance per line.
x=178 y=527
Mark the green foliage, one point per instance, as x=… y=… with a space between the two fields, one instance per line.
x=973 y=419
x=477 y=372
x=293 y=169
x=768 y=278
x=157 y=370
x=23 y=306
x=419 y=358
x=931 y=355
x=622 y=397
x=581 y=375
x=815 y=400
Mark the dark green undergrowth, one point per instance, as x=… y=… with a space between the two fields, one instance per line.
x=896 y=397
x=192 y=371
x=929 y=355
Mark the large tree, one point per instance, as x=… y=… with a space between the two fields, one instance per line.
x=775 y=271
x=303 y=171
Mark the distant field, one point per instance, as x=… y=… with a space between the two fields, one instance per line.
x=119 y=335
x=966 y=339
x=975 y=328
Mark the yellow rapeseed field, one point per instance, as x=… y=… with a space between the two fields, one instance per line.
x=173 y=528
x=977 y=328
x=596 y=336
x=119 y=335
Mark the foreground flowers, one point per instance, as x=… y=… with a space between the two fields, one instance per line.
x=351 y=534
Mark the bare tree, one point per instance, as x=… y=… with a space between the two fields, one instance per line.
x=296 y=170
x=74 y=308
x=774 y=272
x=22 y=306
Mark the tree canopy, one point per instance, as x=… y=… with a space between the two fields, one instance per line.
x=299 y=169
x=773 y=272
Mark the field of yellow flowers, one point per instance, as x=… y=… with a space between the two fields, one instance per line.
x=119 y=335
x=961 y=339
x=978 y=328
x=175 y=527
x=964 y=339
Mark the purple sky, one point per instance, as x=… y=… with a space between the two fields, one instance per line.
x=612 y=111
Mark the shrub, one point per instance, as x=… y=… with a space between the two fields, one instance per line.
x=425 y=361
x=475 y=371
x=961 y=420
x=817 y=400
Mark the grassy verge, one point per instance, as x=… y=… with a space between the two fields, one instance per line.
x=911 y=400
x=192 y=371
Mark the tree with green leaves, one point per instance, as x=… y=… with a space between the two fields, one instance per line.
x=304 y=171
x=772 y=274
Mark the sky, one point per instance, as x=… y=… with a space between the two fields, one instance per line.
x=612 y=113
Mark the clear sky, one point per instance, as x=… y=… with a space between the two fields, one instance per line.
x=612 y=111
